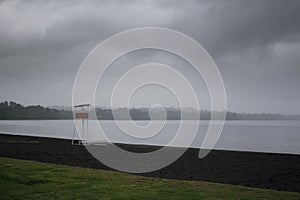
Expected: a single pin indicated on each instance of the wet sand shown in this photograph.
(259, 170)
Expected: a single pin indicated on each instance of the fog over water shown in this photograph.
(258, 136)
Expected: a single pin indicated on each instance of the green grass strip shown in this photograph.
(20, 179)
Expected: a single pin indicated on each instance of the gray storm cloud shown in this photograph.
(255, 44)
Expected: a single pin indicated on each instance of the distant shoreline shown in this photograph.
(202, 120)
(15, 111)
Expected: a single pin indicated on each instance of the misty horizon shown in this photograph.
(181, 109)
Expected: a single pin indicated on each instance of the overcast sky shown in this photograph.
(255, 44)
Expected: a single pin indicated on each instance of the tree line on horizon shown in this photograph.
(15, 111)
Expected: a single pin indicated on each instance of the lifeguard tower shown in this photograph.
(81, 113)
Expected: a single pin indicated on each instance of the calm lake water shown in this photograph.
(259, 136)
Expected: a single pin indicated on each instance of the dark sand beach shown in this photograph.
(259, 170)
